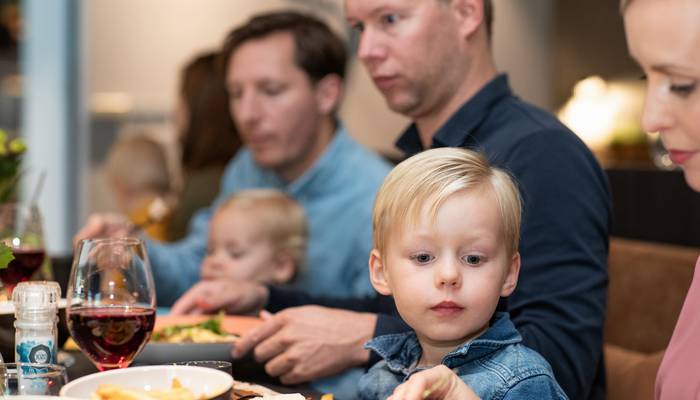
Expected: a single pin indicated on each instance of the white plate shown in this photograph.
(163, 353)
(35, 397)
(206, 382)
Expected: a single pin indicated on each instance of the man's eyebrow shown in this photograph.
(377, 9)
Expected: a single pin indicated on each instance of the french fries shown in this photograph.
(117, 392)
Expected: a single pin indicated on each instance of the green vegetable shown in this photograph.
(5, 255)
(212, 324)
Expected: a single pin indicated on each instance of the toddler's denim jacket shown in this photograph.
(495, 365)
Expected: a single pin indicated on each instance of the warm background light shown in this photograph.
(605, 113)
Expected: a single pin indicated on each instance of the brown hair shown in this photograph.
(624, 4)
(210, 137)
(318, 51)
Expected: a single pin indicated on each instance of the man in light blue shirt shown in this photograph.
(284, 73)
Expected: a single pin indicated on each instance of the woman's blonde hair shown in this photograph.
(280, 217)
(431, 177)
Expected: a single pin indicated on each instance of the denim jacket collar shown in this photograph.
(402, 351)
(456, 131)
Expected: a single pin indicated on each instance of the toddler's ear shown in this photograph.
(377, 273)
(511, 280)
(284, 269)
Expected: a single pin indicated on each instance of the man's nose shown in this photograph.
(246, 110)
(370, 47)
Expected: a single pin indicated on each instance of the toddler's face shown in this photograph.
(446, 276)
(239, 248)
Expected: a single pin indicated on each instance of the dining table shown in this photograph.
(246, 369)
(77, 364)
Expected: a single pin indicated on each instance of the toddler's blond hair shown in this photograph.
(281, 218)
(140, 164)
(428, 179)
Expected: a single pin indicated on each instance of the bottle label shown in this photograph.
(36, 350)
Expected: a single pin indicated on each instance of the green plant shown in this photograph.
(5, 255)
(11, 153)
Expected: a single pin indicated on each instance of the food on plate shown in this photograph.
(209, 331)
(117, 392)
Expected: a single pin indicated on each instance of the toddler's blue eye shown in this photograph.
(422, 258)
(472, 259)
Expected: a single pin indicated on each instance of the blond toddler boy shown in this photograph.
(445, 235)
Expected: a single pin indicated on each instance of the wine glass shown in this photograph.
(111, 300)
(20, 229)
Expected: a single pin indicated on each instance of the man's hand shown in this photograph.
(305, 343)
(437, 383)
(234, 297)
(103, 225)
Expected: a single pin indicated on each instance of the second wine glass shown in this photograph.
(111, 300)
(20, 229)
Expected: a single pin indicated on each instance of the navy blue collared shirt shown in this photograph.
(560, 302)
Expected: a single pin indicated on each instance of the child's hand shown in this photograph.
(437, 383)
(234, 297)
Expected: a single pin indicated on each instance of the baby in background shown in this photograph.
(256, 235)
(142, 183)
(445, 235)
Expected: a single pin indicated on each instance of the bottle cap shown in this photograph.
(36, 295)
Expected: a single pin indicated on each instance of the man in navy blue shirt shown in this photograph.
(432, 62)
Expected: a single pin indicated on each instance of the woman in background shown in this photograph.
(664, 38)
(207, 136)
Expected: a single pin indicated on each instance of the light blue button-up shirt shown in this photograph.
(337, 194)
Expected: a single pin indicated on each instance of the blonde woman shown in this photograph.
(664, 38)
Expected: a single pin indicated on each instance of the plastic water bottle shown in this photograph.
(36, 321)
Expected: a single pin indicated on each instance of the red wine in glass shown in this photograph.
(27, 261)
(111, 336)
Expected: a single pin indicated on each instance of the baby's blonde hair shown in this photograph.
(280, 216)
(431, 177)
